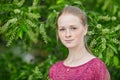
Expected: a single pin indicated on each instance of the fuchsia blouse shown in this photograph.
(94, 69)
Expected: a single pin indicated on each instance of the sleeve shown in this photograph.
(100, 71)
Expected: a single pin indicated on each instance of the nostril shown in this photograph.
(68, 35)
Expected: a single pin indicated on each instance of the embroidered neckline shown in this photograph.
(70, 67)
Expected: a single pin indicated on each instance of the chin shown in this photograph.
(69, 46)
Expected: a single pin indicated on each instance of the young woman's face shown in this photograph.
(70, 30)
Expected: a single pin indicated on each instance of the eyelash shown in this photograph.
(61, 29)
(72, 28)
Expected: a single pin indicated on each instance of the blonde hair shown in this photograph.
(76, 12)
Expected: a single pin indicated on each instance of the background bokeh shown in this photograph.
(28, 43)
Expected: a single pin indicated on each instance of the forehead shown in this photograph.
(68, 19)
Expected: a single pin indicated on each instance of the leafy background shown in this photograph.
(28, 44)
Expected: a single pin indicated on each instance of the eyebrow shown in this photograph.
(69, 26)
(60, 26)
(72, 25)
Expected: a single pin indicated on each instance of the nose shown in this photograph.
(68, 34)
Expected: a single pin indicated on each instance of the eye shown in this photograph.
(62, 29)
(73, 28)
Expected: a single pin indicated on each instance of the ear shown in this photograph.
(85, 29)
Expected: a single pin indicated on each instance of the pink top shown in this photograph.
(94, 69)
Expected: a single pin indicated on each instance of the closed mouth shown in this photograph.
(69, 40)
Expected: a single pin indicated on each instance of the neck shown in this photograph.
(77, 53)
(78, 56)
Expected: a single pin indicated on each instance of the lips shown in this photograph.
(68, 41)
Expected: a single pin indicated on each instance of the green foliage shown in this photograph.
(33, 23)
(21, 21)
(15, 68)
(104, 33)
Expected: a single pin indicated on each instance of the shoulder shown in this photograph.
(99, 69)
(97, 63)
(54, 67)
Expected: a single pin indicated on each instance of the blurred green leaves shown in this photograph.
(22, 22)
(33, 24)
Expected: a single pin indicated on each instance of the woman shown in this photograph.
(80, 64)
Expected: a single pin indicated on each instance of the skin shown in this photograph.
(71, 32)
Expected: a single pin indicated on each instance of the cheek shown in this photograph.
(79, 34)
(60, 35)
